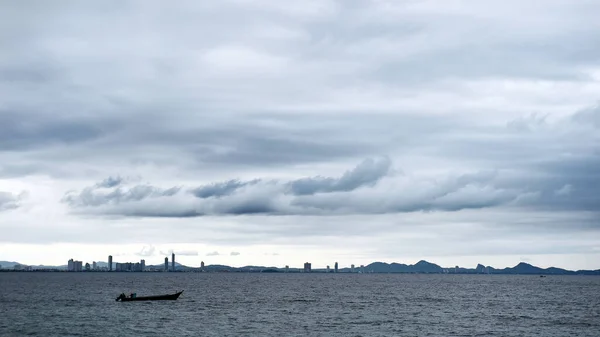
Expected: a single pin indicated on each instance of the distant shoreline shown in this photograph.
(421, 267)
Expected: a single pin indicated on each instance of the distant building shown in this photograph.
(352, 268)
(110, 263)
(74, 265)
(94, 265)
(362, 268)
(130, 266)
(335, 267)
(173, 262)
(166, 264)
(202, 265)
(87, 267)
(328, 269)
(307, 267)
(287, 268)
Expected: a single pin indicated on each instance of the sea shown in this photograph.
(311, 304)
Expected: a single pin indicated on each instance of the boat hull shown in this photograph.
(170, 297)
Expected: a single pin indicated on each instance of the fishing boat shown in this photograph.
(134, 297)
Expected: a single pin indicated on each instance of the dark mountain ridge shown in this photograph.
(421, 267)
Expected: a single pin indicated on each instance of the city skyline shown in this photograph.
(244, 132)
(421, 267)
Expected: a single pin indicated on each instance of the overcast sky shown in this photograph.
(276, 132)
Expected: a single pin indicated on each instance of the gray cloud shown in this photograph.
(215, 253)
(258, 126)
(221, 189)
(90, 196)
(234, 254)
(589, 116)
(10, 201)
(110, 182)
(366, 173)
(371, 188)
(337, 196)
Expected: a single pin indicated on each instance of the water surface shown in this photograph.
(240, 304)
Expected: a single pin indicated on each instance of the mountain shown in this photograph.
(8, 264)
(178, 266)
(421, 267)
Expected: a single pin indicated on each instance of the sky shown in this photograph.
(268, 133)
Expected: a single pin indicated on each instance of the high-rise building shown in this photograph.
(166, 264)
(94, 265)
(307, 267)
(287, 268)
(87, 267)
(70, 265)
(110, 263)
(173, 262)
(201, 264)
(143, 265)
(77, 266)
(335, 267)
(352, 268)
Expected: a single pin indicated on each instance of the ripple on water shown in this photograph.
(65, 304)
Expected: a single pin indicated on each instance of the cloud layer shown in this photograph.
(10, 201)
(243, 122)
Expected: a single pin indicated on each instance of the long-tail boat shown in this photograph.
(134, 297)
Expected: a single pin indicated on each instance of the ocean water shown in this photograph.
(239, 304)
